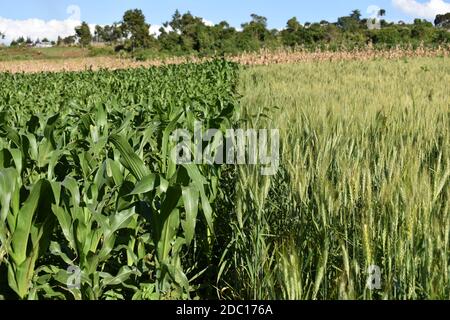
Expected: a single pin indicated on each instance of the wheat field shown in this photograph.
(364, 183)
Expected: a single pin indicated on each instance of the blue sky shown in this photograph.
(15, 15)
(234, 11)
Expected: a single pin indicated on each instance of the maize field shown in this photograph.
(89, 187)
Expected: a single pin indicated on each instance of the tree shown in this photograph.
(193, 32)
(135, 27)
(176, 23)
(113, 33)
(388, 36)
(356, 14)
(69, 40)
(99, 33)
(83, 34)
(350, 23)
(186, 33)
(290, 35)
(18, 42)
(422, 30)
(442, 20)
(225, 38)
(257, 28)
(2, 35)
(254, 34)
(293, 25)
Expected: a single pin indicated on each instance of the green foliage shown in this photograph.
(88, 179)
(390, 36)
(101, 51)
(83, 34)
(349, 24)
(136, 29)
(186, 34)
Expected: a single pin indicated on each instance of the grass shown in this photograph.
(64, 53)
(365, 181)
(23, 53)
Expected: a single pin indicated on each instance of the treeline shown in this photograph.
(28, 41)
(188, 34)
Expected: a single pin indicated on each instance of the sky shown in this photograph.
(50, 18)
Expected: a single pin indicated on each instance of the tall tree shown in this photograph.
(69, 40)
(99, 33)
(254, 34)
(257, 28)
(113, 33)
(293, 25)
(187, 33)
(350, 23)
(356, 14)
(136, 29)
(83, 34)
(290, 35)
(176, 24)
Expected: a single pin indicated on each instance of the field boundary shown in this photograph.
(263, 57)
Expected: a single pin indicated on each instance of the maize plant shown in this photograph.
(88, 181)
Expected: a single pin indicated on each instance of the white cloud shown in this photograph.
(422, 10)
(208, 22)
(37, 28)
(154, 29)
